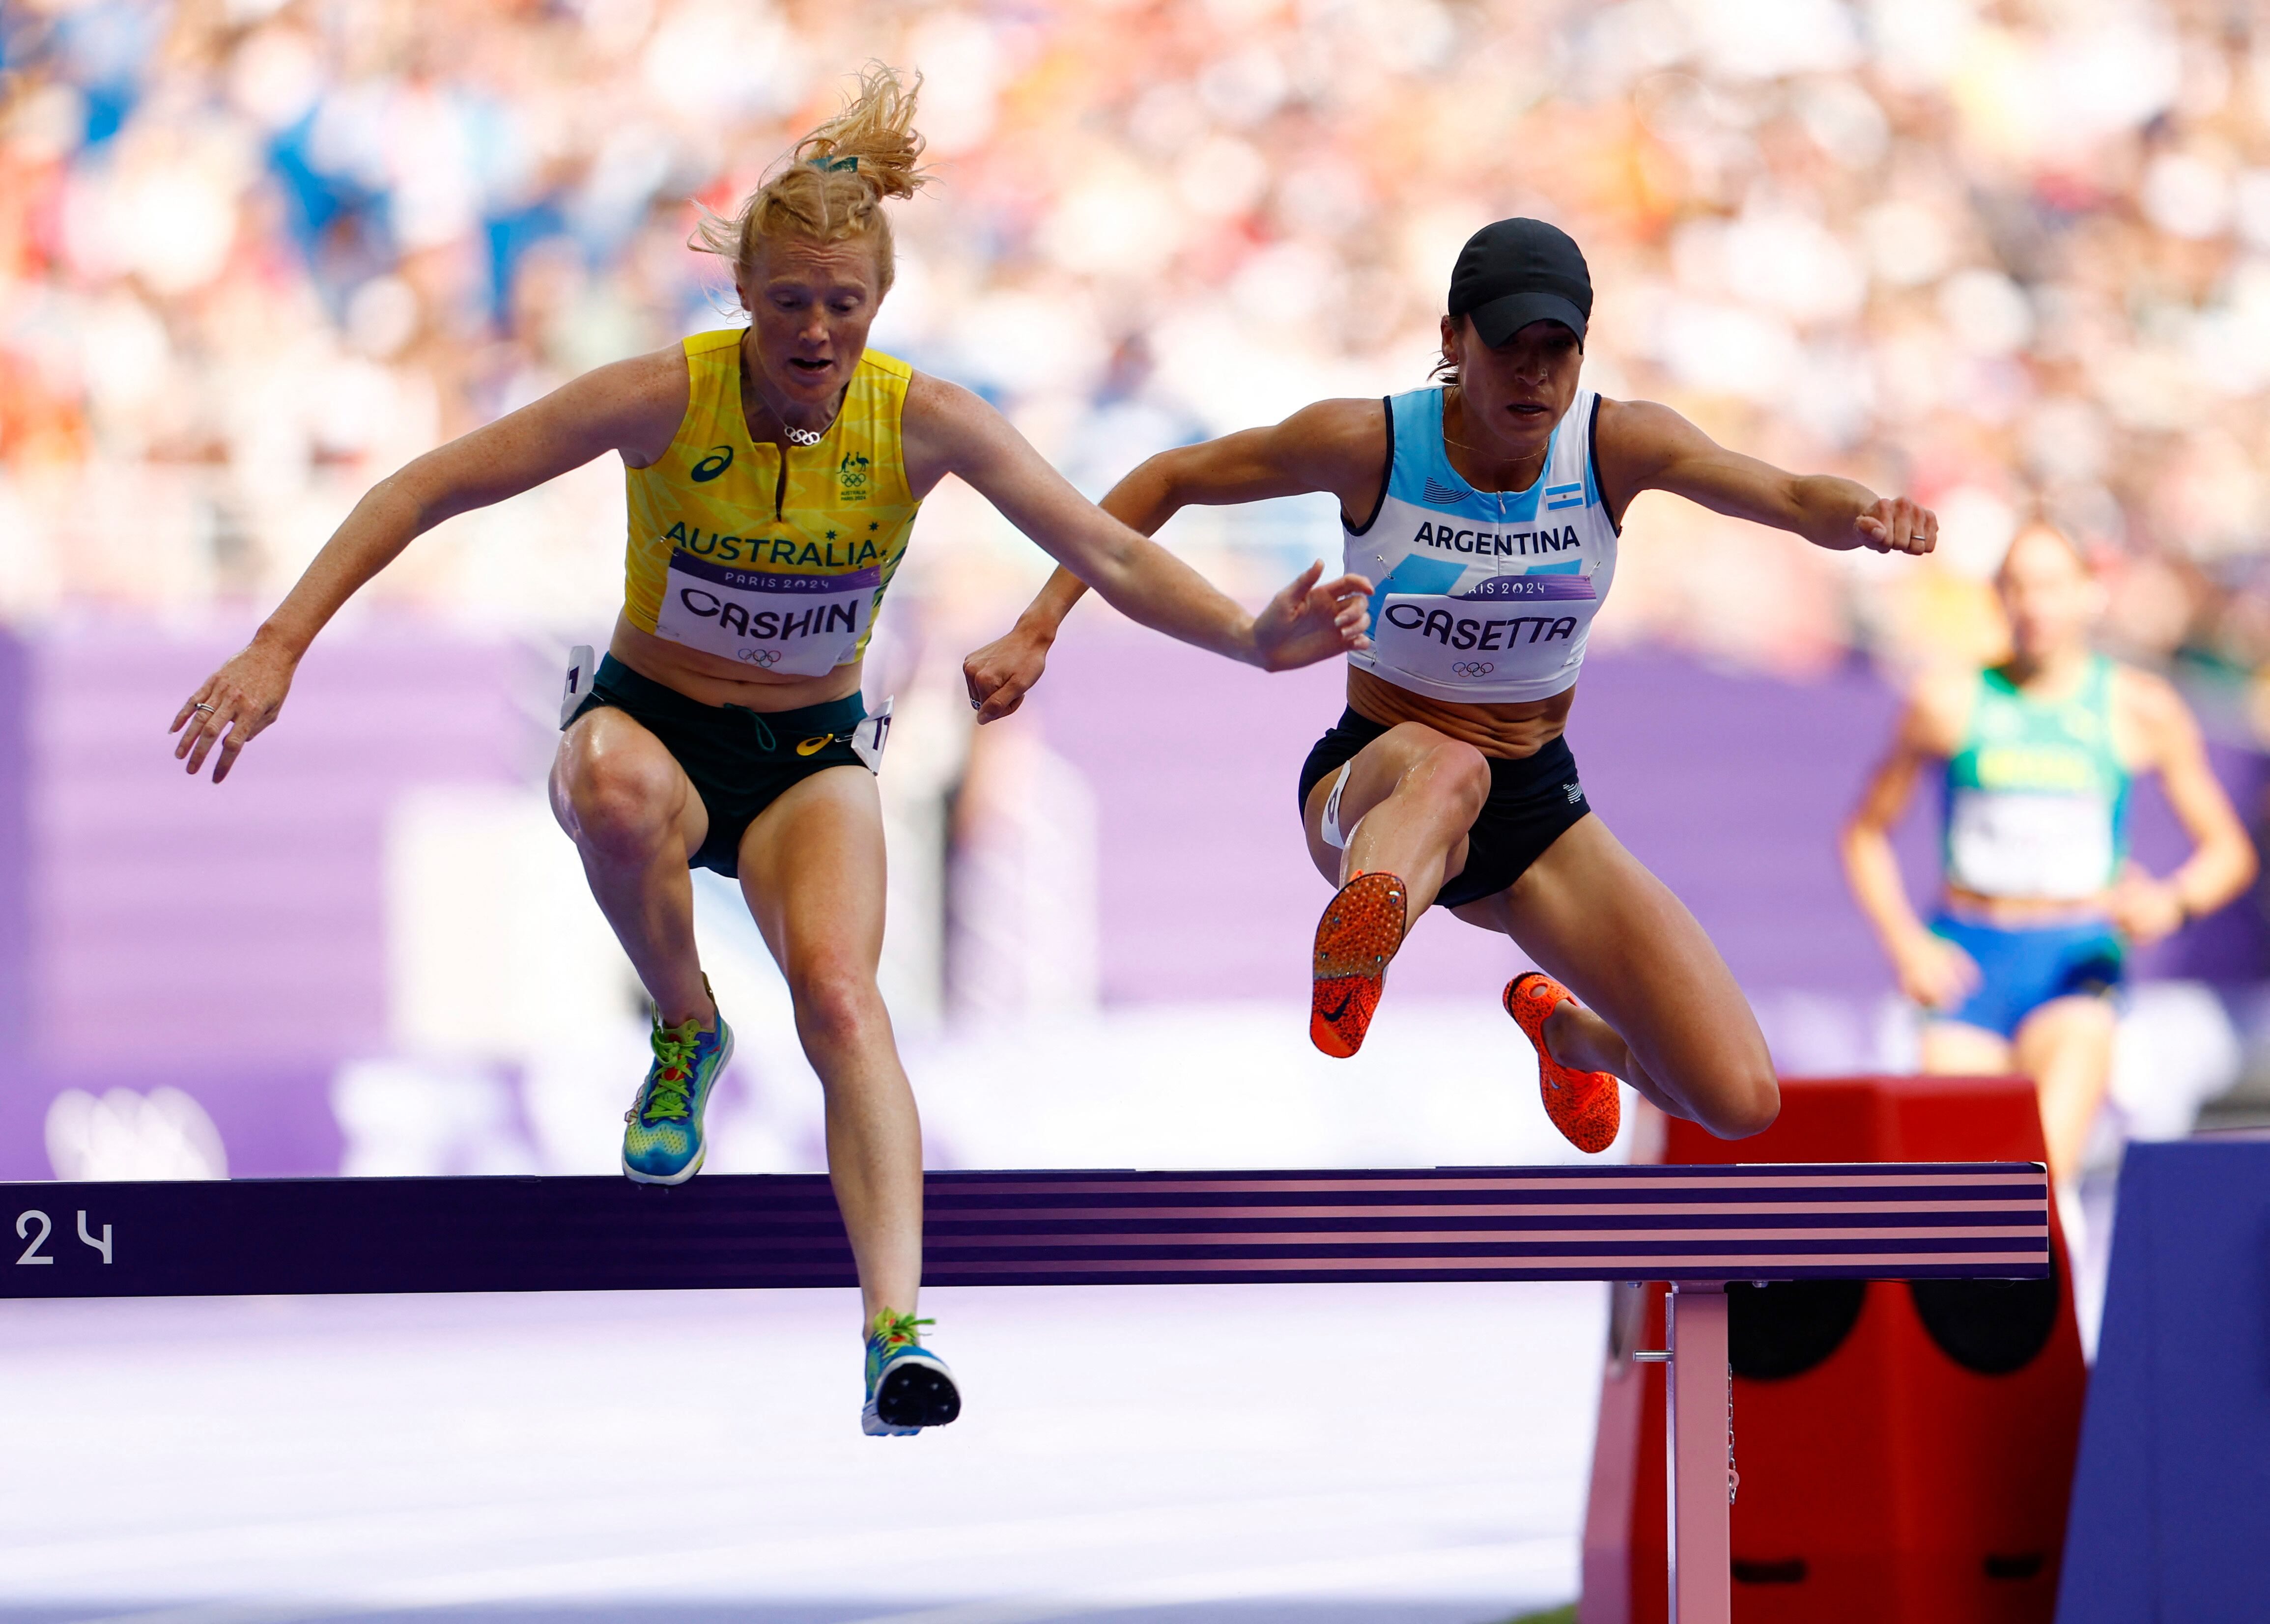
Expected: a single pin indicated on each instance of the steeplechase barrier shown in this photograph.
(1697, 1227)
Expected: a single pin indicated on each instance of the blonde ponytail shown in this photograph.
(835, 180)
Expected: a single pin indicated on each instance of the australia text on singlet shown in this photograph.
(782, 569)
(1484, 597)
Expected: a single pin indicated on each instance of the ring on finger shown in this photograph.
(209, 709)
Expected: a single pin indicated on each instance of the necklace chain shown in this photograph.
(796, 436)
(1477, 452)
(1542, 457)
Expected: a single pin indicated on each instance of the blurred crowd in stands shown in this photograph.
(2013, 257)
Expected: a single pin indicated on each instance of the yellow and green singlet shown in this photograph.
(777, 559)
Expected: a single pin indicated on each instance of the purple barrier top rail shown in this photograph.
(298, 1237)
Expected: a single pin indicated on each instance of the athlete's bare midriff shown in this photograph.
(1509, 731)
(714, 681)
(2025, 912)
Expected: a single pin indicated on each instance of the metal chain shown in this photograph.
(1733, 1473)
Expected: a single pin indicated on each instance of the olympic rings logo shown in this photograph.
(766, 658)
(1472, 668)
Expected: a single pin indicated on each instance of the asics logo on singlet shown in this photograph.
(720, 458)
(1573, 791)
(1441, 496)
(1472, 668)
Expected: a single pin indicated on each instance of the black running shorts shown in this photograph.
(1531, 802)
(741, 761)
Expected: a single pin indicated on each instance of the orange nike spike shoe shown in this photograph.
(1583, 1105)
(1361, 927)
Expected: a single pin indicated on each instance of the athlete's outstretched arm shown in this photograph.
(1334, 446)
(949, 430)
(2222, 863)
(1644, 446)
(631, 406)
(1932, 970)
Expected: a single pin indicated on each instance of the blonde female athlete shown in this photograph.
(773, 474)
(1487, 510)
(2019, 966)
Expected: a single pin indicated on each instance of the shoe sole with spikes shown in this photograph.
(917, 1391)
(1362, 926)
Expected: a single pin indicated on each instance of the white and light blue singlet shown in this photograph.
(1483, 597)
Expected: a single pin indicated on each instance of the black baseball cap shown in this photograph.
(1513, 273)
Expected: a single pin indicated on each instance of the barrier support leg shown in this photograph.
(1698, 1393)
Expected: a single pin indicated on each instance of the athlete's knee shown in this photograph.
(837, 1004)
(1744, 1100)
(1448, 771)
(623, 806)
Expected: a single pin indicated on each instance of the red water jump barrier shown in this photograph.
(1905, 1449)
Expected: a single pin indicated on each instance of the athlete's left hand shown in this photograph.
(1307, 622)
(999, 675)
(234, 705)
(1895, 524)
(2144, 909)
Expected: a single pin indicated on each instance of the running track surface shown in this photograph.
(1399, 1454)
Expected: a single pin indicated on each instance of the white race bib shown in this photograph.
(801, 625)
(1507, 626)
(869, 737)
(2002, 843)
(582, 665)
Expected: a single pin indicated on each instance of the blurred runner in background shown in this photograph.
(2019, 967)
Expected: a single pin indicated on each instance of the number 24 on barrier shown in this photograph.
(26, 1222)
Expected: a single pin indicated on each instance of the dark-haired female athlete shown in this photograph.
(1488, 511)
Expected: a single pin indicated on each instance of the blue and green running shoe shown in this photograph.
(909, 1387)
(663, 1141)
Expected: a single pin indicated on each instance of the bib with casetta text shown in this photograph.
(1466, 637)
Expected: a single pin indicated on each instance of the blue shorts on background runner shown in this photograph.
(2020, 970)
